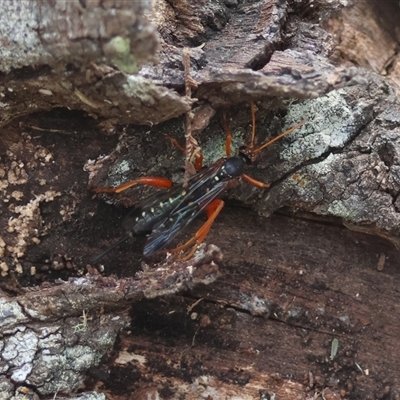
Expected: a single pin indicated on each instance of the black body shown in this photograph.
(163, 215)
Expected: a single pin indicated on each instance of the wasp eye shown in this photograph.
(246, 156)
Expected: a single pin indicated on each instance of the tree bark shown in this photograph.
(302, 307)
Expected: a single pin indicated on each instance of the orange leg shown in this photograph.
(198, 157)
(155, 181)
(255, 182)
(228, 132)
(212, 210)
(175, 143)
(198, 160)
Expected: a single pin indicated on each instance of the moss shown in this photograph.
(118, 51)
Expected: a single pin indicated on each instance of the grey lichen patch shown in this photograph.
(353, 189)
(141, 88)
(11, 315)
(6, 388)
(27, 46)
(255, 305)
(52, 374)
(50, 336)
(80, 358)
(89, 396)
(301, 185)
(344, 161)
(66, 367)
(343, 186)
(47, 357)
(19, 352)
(121, 168)
(93, 167)
(116, 172)
(119, 171)
(330, 122)
(150, 103)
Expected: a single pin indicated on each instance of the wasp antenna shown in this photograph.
(275, 139)
(113, 246)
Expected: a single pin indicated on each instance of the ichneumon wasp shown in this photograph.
(165, 214)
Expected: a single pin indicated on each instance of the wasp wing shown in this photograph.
(203, 188)
(147, 215)
(180, 218)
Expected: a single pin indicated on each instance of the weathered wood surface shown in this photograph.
(52, 335)
(287, 287)
(63, 54)
(70, 64)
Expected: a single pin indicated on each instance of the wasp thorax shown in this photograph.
(234, 166)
